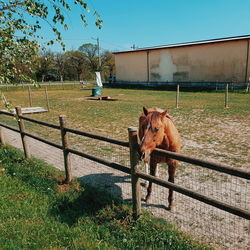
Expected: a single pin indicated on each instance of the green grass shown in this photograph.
(38, 212)
(200, 118)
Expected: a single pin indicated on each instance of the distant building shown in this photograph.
(210, 61)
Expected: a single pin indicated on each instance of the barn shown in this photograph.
(195, 63)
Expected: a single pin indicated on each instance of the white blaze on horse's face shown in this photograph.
(153, 134)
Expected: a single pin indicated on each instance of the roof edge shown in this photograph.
(216, 40)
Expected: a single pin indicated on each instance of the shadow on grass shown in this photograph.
(108, 182)
(88, 200)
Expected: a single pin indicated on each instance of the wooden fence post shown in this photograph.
(136, 187)
(65, 144)
(177, 96)
(2, 139)
(47, 98)
(226, 96)
(22, 130)
(30, 99)
(247, 88)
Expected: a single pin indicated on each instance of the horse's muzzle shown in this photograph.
(143, 156)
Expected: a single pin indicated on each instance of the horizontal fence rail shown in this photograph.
(99, 160)
(137, 174)
(226, 207)
(43, 140)
(6, 113)
(9, 127)
(50, 125)
(203, 163)
(97, 137)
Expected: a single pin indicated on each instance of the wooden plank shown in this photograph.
(30, 110)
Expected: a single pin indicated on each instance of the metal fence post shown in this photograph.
(65, 144)
(22, 130)
(136, 187)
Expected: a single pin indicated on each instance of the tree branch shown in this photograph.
(8, 7)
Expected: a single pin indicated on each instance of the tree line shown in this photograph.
(74, 65)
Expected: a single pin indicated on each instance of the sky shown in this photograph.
(146, 23)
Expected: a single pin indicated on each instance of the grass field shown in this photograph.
(38, 212)
(208, 131)
(206, 127)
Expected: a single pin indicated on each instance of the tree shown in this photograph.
(17, 29)
(16, 59)
(90, 52)
(108, 64)
(75, 64)
(45, 66)
(60, 61)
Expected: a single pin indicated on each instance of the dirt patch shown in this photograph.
(63, 187)
(101, 98)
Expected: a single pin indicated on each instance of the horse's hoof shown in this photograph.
(170, 207)
(147, 199)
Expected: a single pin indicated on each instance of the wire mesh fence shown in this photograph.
(205, 222)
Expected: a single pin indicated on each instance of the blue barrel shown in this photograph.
(96, 91)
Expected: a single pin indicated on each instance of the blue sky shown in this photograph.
(159, 22)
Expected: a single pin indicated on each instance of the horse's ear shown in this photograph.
(164, 114)
(145, 111)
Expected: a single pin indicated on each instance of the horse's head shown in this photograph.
(151, 132)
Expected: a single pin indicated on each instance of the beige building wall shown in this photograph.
(223, 61)
(131, 67)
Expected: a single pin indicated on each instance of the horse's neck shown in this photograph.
(171, 138)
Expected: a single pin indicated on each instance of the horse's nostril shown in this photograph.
(142, 155)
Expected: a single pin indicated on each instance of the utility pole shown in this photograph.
(98, 49)
(133, 47)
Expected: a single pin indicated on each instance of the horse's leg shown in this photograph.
(147, 171)
(172, 165)
(153, 165)
(156, 171)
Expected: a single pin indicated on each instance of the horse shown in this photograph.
(157, 130)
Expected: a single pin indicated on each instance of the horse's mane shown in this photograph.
(155, 109)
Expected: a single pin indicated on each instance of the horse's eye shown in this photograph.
(156, 130)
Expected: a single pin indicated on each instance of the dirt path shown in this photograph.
(224, 230)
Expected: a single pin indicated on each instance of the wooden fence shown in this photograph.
(177, 99)
(136, 175)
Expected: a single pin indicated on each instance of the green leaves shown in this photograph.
(18, 32)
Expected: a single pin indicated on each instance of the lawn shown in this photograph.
(208, 131)
(202, 120)
(38, 212)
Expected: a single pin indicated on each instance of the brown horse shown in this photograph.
(157, 130)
